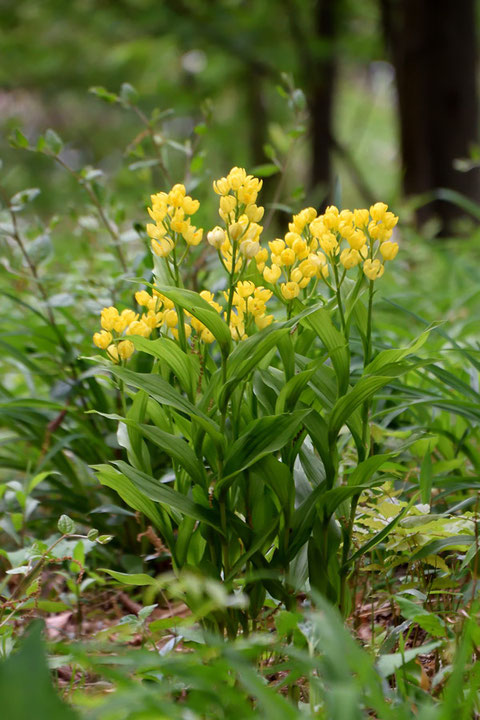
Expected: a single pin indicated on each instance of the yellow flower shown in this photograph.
(139, 327)
(176, 195)
(192, 236)
(102, 339)
(287, 256)
(236, 231)
(155, 232)
(357, 240)
(261, 258)
(389, 250)
(350, 258)
(249, 248)
(272, 274)
(300, 248)
(276, 246)
(238, 331)
(216, 237)
(245, 288)
(263, 294)
(188, 331)
(170, 318)
(125, 349)
(108, 317)
(361, 218)
(236, 177)
(143, 298)
(177, 222)
(377, 211)
(329, 244)
(207, 336)
(263, 321)
(112, 353)
(227, 204)
(222, 186)
(190, 206)
(290, 290)
(373, 269)
(254, 212)
(308, 268)
(162, 248)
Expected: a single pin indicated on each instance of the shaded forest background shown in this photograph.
(390, 90)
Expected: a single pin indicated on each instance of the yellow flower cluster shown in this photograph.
(295, 259)
(117, 324)
(248, 307)
(313, 244)
(240, 241)
(171, 214)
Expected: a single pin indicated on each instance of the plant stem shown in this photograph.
(367, 358)
(339, 300)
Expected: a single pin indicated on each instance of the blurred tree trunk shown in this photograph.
(321, 74)
(433, 48)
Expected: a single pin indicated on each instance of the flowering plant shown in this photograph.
(250, 402)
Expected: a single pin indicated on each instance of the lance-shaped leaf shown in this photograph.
(185, 367)
(165, 394)
(247, 356)
(333, 340)
(261, 437)
(394, 355)
(110, 477)
(160, 492)
(200, 309)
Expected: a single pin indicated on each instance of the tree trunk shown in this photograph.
(433, 48)
(322, 75)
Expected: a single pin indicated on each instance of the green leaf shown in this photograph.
(248, 355)
(262, 437)
(26, 686)
(53, 142)
(18, 140)
(363, 390)
(334, 342)
(437, 546)
(23, 197)
(428, 621)
(265, 170)
(292, 390)
(178, 450)
(382, 534)
(364, 470)
(388, 664)
(200, 309)
(394, 355)
(66, 525)
(318, 431)
(128, 94)
(129, 493)
(156, 490)
(136, 579)
(165, 394)
(426, 479)
(103, 94)
(185, 367)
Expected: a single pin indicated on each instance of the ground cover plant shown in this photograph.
(239, 455)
